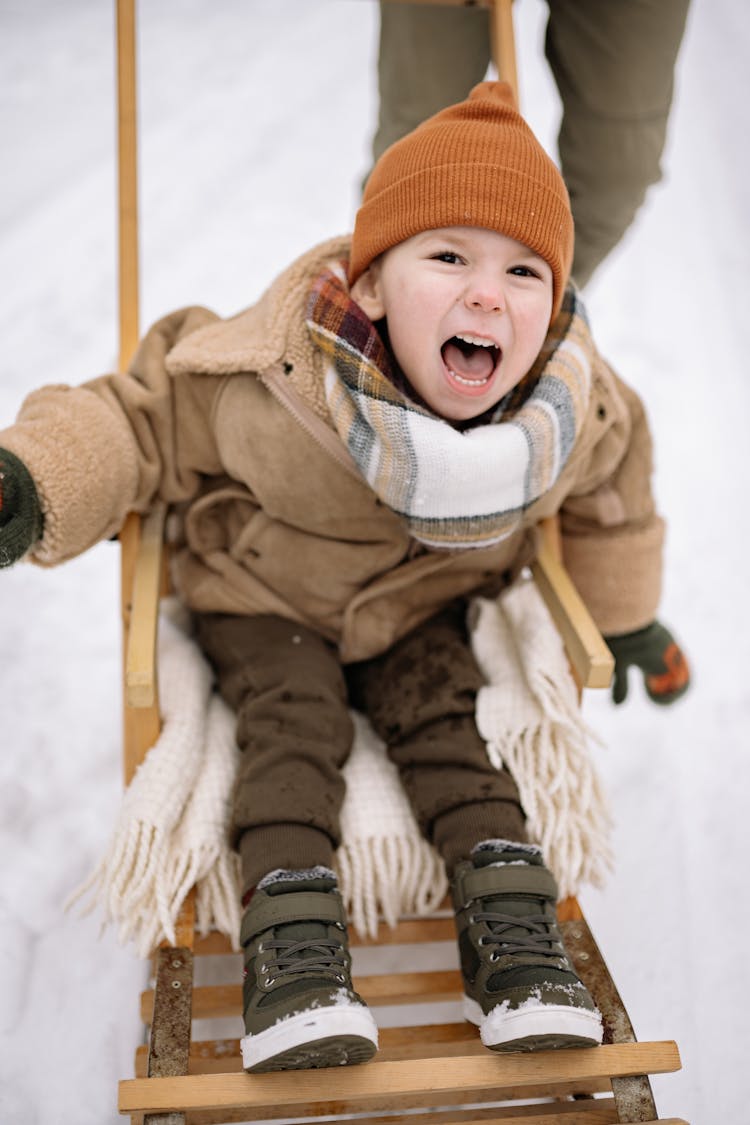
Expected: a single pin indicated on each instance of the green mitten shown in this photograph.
(21, 517)
(666, 674)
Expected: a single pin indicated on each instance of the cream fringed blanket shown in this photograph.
(172, 829)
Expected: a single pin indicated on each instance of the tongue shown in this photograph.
(470, 362)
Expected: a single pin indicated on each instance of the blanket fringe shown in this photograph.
(388, 877)
(530, 717)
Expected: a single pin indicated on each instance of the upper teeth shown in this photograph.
(480, 341)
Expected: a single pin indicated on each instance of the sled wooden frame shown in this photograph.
(433, 1074)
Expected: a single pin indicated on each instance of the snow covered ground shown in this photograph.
(256, 116)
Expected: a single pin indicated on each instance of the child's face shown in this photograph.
(467, 312)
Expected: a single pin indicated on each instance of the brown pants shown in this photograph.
(613, 64)
(292, 700)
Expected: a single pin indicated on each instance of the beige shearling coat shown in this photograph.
(226, 420)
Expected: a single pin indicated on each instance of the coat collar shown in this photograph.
(258, 337)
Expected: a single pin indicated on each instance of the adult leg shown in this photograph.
(430, 57)
(420, 697)
(295, 733)
(613, 62)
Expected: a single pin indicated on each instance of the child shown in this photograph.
(350, 460)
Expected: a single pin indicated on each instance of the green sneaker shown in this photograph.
(520, 986)
(299, 1005)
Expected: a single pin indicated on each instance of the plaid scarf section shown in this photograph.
(456, 489)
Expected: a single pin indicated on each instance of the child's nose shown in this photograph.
(485, 294)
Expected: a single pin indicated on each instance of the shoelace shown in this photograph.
(323, 956)
(539, 939)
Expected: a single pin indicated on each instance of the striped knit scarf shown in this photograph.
(454, 488)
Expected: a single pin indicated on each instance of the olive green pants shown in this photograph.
(613, 63)
(294, 728)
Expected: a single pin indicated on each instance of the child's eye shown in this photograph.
(449, 256)
(524, 271)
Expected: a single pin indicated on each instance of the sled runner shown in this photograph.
(431, 1068)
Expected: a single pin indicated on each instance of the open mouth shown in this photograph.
(470, 360)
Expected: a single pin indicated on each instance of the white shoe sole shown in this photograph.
(535, 1026)
(335, 1036)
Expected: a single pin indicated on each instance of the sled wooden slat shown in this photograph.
(140, 659)
(127, 185)
(573, 1114)
(217, 1000)
(503, 43)
(599, 1112)
(592, 661)
(406, 988)
(213, 944)
(223, 1056)
(410, 930)
(396, 1043)
(141, 725)
(407, 931)
(381, 1085)
(431, 1036)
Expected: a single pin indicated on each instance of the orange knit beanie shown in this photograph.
(474, 164)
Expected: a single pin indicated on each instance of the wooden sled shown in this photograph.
(431, 1067)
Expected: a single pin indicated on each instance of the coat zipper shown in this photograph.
(279, 386)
